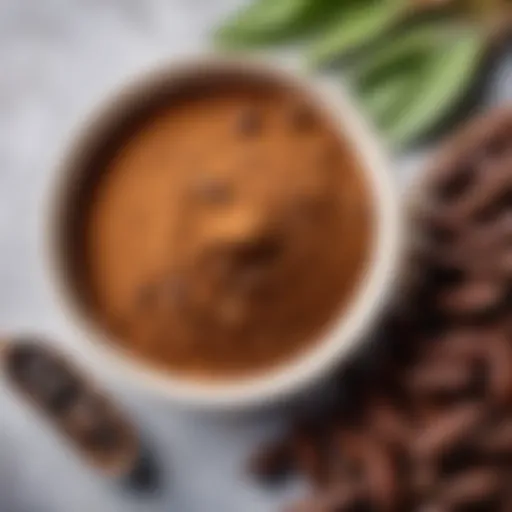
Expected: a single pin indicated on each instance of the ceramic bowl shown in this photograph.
(350, 329)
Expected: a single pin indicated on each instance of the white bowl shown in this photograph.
(348, 331)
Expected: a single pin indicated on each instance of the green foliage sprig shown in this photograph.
(410, 62)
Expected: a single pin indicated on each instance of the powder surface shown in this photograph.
(227, 233)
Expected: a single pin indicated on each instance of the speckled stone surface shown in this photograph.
(57, 59)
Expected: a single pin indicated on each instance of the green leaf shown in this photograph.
(444, 80)
(415, 78)
(382, 99)
(356, 27)
(264, 20)
(382, 79)
(401, 54)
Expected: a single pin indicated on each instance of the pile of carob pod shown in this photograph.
(428, 424)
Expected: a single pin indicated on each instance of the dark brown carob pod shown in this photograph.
(441, 380)
(309, 448)
(480, 487)
(273, 463)
(369, 465)
(447, 430)
(338, 499)
(499, 369)
(473, 297)
(388, 423)
(90, 421)
(483, 198)
(495, 443)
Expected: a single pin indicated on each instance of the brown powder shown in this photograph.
(226, 232)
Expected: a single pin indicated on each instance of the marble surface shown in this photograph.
(57, 59)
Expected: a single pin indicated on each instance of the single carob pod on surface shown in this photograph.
(72, 404)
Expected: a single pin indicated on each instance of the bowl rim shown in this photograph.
(343, 337)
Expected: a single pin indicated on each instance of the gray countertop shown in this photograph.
(57, 58)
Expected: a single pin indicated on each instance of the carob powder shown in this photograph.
(226, 231)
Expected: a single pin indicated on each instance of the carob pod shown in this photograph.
(456, 345)
(388, 423)
(273, 463)
(495, 442)
(90, 421)
(470, 174)
(479, 252)
(467, 154)
(479, 489)
(499, 369)
(473, 297)
(304, 451)
(340, 499)
(484, 197)
(446, 432)
(310, 452)
(369, 465)
(441, 380)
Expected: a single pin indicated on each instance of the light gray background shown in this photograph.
(57, 59)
